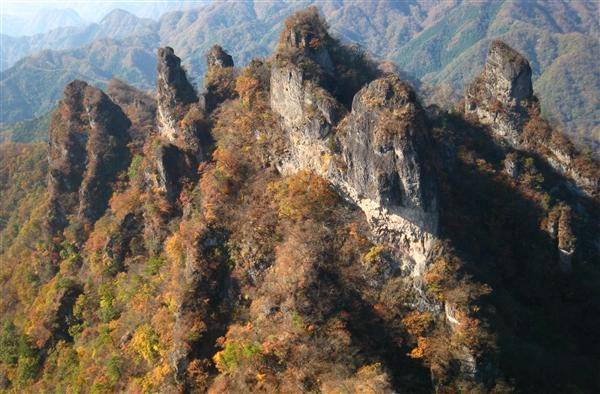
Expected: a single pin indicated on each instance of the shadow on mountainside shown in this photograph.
(545, 320)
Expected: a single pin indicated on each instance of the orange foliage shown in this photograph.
(303, 196)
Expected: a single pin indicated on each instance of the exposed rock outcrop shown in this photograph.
(88, 149)
(219, 82)
(385, 169)
(184, 125)
(218, 58)
(180, 118)
(501, 97)
(185, 133)
(499, 94)
(559, 227)
(376, 156)
(174, 91)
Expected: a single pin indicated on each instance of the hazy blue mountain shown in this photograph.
(33, 85)
(42, 21)
(117, 24)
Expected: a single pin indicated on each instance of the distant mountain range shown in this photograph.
(441, 43)
(42, 21)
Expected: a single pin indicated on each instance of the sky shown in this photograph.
(93, 11)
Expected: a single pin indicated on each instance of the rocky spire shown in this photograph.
(218, 58)
(377, 155)
(180, 117)
(383, 144)
(219, 82)
(175, 94)
(305, 34)
(501, 98)
(172, 82)
(185, 139)
(88, 149)
(499, 94)
(507, 74)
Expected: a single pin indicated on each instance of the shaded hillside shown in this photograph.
(27, 130)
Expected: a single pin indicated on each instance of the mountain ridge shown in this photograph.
(301, 223)
(550, 30)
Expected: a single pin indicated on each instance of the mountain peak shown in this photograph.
(174, 90)
(511, 70)
(389, 92)
(117, 15)
(499, 95)
(218, 58)
(88, 138)
(171, 76)
(305, 35)
(304, 30)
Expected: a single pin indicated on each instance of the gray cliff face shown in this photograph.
(179, 115)
(88, 149)
(508, 74)
(374, 155)
(498, 95)
(172, 84)
(383, 144)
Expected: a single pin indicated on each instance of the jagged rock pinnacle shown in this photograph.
(172, 83)
(176, 96)
(497, 97)
(88, 148)
(218, 58)
(509, 72)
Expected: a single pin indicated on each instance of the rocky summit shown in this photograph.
(87, 150)
(304, 223)
(499, 94)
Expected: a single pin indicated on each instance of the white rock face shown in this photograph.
(375, 156)
(175, 94)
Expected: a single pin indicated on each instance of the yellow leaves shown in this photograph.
(154, 379)
(174, 249)
(145, 343)
(123, 203)
(436, 277)
(228, 359)
(374, 254)
(247, 88)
